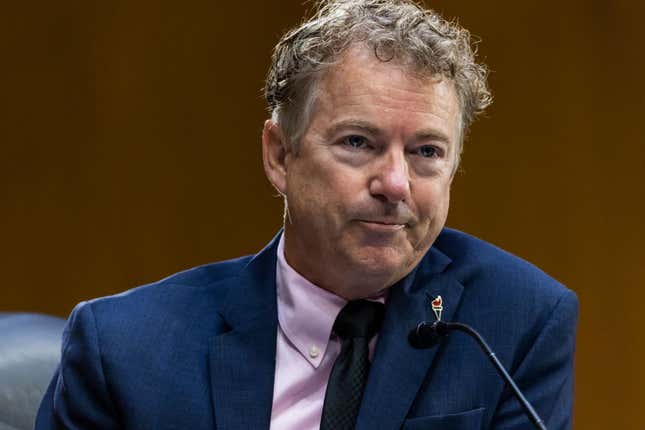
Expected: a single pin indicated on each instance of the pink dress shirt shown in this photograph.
(306, 348)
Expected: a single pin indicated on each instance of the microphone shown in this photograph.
(426, 335)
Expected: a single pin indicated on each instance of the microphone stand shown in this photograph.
(425, 335)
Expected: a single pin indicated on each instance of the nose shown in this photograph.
(391, 182)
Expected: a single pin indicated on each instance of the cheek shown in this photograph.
(433, 211)
(338, 185)
(316, 193)
(433, 203)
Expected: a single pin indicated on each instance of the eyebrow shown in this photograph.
(370, 128)
(354, 124)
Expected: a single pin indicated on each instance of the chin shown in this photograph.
(383, 265)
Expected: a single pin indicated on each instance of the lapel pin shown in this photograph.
(437, 307)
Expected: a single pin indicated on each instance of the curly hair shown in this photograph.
(396, 30)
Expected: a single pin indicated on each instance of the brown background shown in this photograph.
(130, 150)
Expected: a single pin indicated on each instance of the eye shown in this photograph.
(428, 151)
(355, 141)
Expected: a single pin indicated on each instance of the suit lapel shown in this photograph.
(399, 369)
(242, 360)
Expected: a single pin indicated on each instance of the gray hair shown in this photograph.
(396, 30)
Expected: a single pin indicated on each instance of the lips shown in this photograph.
(388, 221)
(383, 225)
(387, 215)
(385, 222)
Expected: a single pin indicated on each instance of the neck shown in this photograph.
(350, 283)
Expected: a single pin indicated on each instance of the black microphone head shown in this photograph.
(426, 335)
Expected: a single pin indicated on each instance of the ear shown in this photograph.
(274, 153)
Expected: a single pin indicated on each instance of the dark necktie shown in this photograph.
(356, 324)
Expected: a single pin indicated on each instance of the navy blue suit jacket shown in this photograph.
(197, 350)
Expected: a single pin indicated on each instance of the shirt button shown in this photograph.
(314, 351)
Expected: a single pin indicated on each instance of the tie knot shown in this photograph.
(359, 318)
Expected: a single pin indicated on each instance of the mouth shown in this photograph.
(383, 226)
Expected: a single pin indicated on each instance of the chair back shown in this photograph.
(29, 353)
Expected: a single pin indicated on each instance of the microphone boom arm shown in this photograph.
(439, 329)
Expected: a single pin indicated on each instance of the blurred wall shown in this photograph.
(130, 139)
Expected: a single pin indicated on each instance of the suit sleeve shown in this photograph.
(545, 375)
(78, 396)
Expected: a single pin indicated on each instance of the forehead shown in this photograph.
(361, 84)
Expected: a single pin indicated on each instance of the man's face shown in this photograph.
(369, 189)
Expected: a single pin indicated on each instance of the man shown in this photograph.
(370, 102)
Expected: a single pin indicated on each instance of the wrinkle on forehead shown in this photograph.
(359, 83)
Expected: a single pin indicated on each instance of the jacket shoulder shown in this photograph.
(196, 293)
(495, 278)
(211, 276)
(475, 259)
(527, 317)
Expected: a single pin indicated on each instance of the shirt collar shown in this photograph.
(306, 312)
